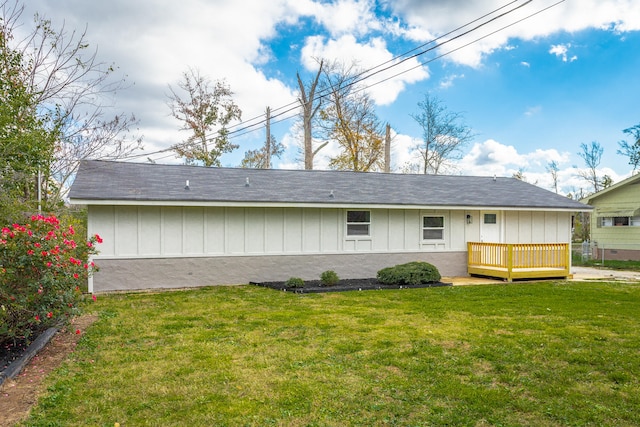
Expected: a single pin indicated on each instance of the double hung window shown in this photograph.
(433, 227)
(358, 223)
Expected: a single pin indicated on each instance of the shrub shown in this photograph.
(412, 273)
(329, 278)
(295, 282)
(43, 265)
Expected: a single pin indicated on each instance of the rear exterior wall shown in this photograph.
(148, 247)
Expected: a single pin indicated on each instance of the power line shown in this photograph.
(363, 75)
(284, 112)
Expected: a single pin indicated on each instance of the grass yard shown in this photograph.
(610, 264)
(539, 354)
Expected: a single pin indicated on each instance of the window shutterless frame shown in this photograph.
(433, 227)
(358, 223)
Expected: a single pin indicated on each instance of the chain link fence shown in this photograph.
(601, 252)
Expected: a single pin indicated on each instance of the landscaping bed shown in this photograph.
(316, 286)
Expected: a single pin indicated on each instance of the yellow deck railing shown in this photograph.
(519, 260)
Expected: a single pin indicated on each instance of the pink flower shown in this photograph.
(76, 276)
(30, 252)
(49, 315)
(37, 318)
(94, 297)
(98, 238)
(78, 332)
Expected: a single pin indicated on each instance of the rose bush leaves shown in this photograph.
(43, 266)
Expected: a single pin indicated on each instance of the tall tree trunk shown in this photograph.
(309, 110)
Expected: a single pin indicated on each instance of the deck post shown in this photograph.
(509, 263)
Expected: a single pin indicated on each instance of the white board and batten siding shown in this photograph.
(180, 231)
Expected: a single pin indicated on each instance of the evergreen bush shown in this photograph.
(329, 278)
(412, 273)
(295, 282)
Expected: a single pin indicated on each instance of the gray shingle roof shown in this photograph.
(145, 182)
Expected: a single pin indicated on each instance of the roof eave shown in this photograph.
(335, 204)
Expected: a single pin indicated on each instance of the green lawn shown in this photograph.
(609, 264)
(539, 354)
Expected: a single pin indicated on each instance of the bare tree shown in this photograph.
(206, 111)
(631, 149)
(72, 90)
(310, 106)
(443, 134)
(592, 155)
(349, 118)
(553, 169)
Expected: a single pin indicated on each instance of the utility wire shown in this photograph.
(250, 128)
(284, 111)
(359, 77)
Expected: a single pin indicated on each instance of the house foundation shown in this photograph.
(167, 273)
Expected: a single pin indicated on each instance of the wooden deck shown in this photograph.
(519, 261)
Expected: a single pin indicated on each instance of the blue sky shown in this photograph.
(532, 92)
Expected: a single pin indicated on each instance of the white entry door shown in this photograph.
(490, 227)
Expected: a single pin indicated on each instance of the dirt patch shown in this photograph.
(316, 286)
(18, 395)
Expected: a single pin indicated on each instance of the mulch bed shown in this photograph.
(315, 286)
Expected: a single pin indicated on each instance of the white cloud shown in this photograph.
(561, 51)
(403, 150)
(448, 81)
(371, 54)
(348, 17)
(491, 157)
(525, 64)
(439, 17)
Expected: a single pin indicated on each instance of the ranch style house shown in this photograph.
(175, 226)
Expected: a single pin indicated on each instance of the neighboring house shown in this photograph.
(615, 221)
(166, 226)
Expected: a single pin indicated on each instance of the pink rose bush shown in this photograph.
(43, 266)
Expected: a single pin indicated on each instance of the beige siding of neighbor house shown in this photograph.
(619, 202)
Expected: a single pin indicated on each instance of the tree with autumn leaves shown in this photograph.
(348, 117)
